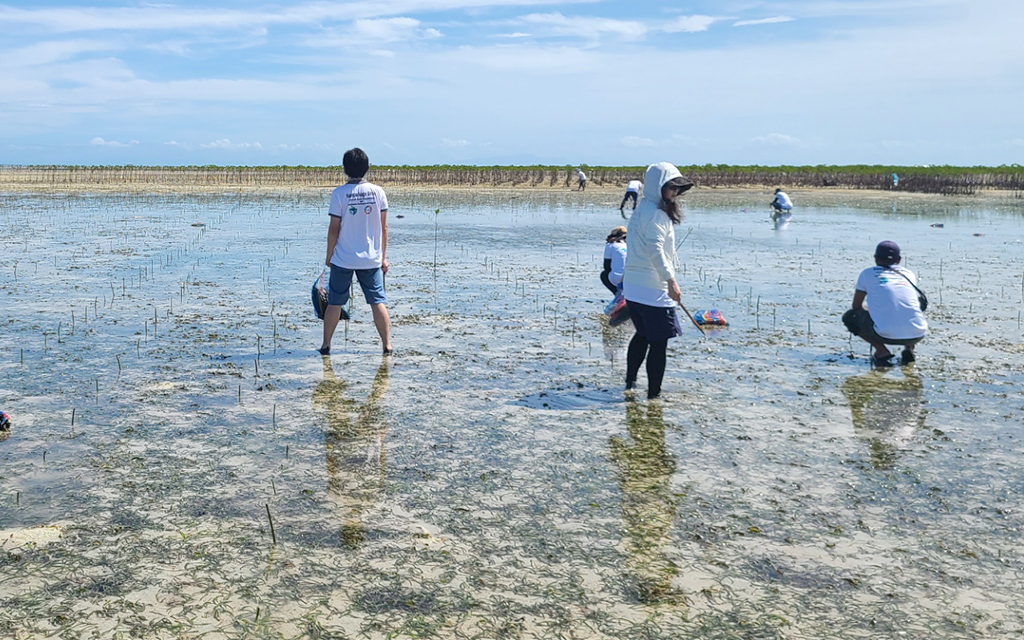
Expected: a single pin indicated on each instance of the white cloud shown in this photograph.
(517, 34)
(164, 17)
(522, 57)
(364, 33)
(778, 140)
(178, 145)
(635, 142)
(674, 141)
(224, 143)
(49, 52)
(775, 20)
(556, 24)
(100, 142)
(453, 144)
(689, 24)
(1016, 142)
(296, 147)
(391, 30)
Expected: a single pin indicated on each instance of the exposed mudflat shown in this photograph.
(490, 480)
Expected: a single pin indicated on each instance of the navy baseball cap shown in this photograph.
(888, 252)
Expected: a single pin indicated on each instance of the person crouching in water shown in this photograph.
(781, 203)
(892, 314)
(649, 282)
(614, 260)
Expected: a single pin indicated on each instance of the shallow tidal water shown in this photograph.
(490, 480)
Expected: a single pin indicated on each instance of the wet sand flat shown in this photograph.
(491, 480)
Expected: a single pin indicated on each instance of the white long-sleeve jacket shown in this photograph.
(651, 241)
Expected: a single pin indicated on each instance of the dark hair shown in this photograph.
(671, 207)
(356, 163)
(615, 236)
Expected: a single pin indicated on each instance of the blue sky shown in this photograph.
(513, 82)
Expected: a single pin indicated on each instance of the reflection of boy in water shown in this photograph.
(354, 449)
(886, 412)
(648, 503)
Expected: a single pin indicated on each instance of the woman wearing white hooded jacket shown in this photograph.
(649, 282)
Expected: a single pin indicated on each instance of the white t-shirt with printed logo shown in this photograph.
(892, 302)
(358, 205)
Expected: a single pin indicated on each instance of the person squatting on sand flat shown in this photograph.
(632, 193)
(357, 243)
(649, 282)
(614, 259)
(893, 313)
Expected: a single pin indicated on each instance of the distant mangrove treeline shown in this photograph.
(947, 180)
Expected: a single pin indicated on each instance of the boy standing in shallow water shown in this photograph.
(357, 242)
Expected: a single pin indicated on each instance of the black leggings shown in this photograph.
(630, 195)
(656, 353)
(604, 277)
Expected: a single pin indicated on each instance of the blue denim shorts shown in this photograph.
(371, 281)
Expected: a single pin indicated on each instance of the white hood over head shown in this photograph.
(656, 176)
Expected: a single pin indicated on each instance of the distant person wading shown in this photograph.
(632, 193)
(581, 179)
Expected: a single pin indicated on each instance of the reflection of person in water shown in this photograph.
(648, 503)
(886, 412)
(613, 340)
(354, 442)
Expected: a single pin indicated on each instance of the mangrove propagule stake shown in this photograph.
(273, 536)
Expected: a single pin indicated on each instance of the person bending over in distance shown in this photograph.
(582, 179)
(357, 243)
(649, 282)
(632, 193)
(781, 203)
(886, 307)
(614, 259)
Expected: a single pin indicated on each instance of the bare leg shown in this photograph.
(332, 315)
(908, 354)
(881, 351)
(383, 323)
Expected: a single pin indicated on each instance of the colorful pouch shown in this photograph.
(710, 317)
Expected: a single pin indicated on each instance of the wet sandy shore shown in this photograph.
(492, 479)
